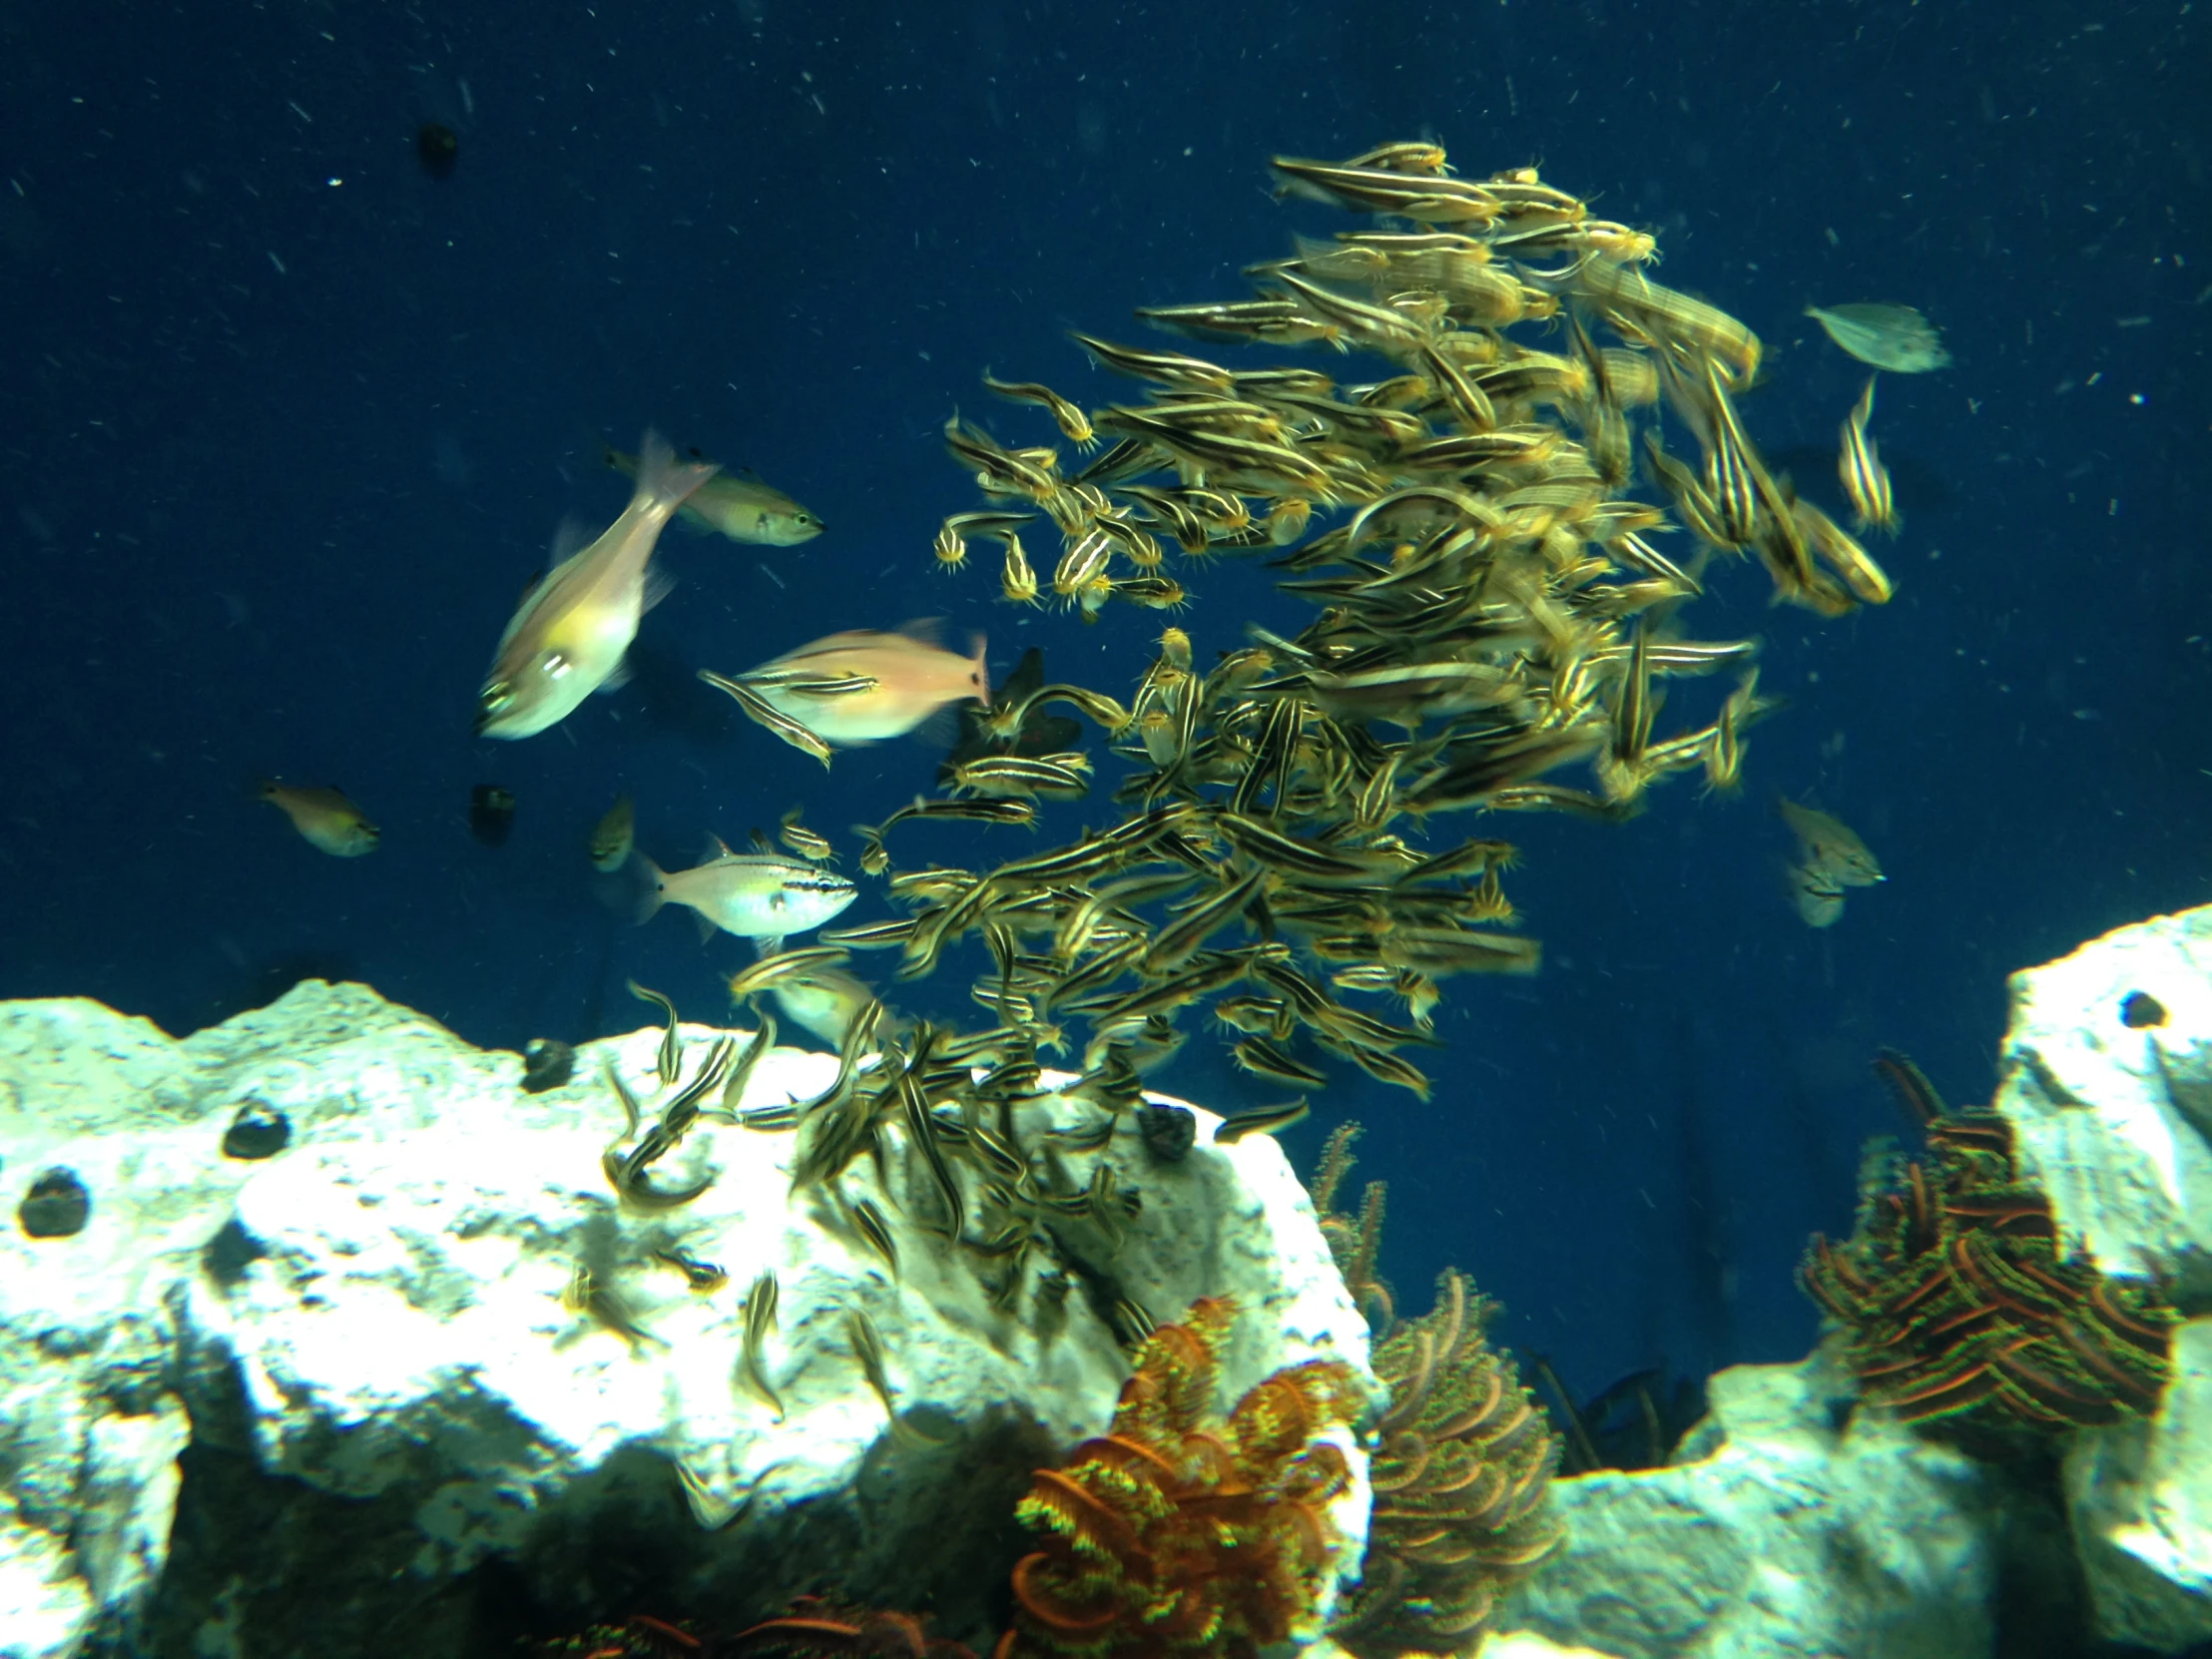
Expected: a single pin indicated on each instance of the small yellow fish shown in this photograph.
(820, 685)
(739, 506)
(1865, 479)
(569, 635)
(1831, 845)
(613, 834)
(325, 817)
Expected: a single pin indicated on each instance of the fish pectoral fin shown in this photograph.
(621, 677)
(659, 584)
(707, 927)
(767, 945)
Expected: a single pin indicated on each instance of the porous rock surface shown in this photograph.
(1787, 1526)
(363, 1340)
(2107, 1081)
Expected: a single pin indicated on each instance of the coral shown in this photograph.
(1460, 1482)
(1956, 1302)
(1354, 1244)
(1176, 1533)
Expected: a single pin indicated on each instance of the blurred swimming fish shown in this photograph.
(827, 1000)
(756, 896)
(1817, 892)
(568, 638)
(325, 818)
(1858, 465)
(859, 686)
(1831, 844)
(613, 835)
(1895, 337)
(739, 506)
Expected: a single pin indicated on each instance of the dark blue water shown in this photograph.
(285, 425)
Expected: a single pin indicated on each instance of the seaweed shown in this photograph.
(1958, 1304)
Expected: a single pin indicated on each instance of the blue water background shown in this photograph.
(285, 425)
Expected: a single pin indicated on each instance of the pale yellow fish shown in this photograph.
(739, 506)
(1831, 844)
(568, 638)
(913, 678)
(613, 834)
(325, 818)
(826, 1001)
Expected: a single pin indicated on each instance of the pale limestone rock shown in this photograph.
(377, 1311)
(2141, 1496)
(2114, 1121)
(1774, 1536)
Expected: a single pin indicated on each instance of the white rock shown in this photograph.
(2116, 1122)
(2113, 1122)
(1774, 1536)
(2141, 1500)
(1526, 1644)
(378, 1309)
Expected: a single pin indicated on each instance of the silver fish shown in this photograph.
(756, 896)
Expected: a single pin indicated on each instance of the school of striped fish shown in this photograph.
(1500, 622)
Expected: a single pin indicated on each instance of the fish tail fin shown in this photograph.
(983, 670)
(663, 480)
(647, 887)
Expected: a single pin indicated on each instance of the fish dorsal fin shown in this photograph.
(926, 630)
(569, 539)
(760, 842)
(716, 848)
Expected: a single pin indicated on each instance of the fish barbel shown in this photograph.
(568, 636)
